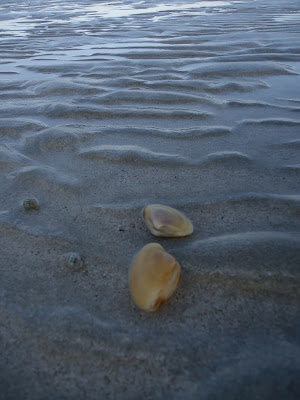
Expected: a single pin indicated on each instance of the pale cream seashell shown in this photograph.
(153, 277)
(166, 221)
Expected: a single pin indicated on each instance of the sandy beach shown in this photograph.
(107, 107)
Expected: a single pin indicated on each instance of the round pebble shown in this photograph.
(72, 260)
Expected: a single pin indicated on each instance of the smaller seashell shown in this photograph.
(166, 221)
(30, 204)
(72, 260)
(153, 277)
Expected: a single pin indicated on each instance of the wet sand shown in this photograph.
(105, 110)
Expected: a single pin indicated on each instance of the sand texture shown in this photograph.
(107, 107)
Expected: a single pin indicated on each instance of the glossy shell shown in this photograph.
(30, 204)
(153, 277)
(166, 221)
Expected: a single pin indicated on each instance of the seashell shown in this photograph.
(72, 260)
(30, 204)
(166, 221)
(153, 277)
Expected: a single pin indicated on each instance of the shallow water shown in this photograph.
(107, 107)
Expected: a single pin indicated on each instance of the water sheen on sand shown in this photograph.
(107, 107)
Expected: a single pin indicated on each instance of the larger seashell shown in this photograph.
(166, 221)
(153, 277)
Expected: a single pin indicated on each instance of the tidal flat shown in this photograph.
(107, 107)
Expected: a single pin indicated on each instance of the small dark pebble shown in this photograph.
(30, 204)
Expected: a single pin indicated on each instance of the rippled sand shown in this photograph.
(108, 107)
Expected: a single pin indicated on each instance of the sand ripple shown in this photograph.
(139, 154)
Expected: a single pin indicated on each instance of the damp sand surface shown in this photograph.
(107, 107)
